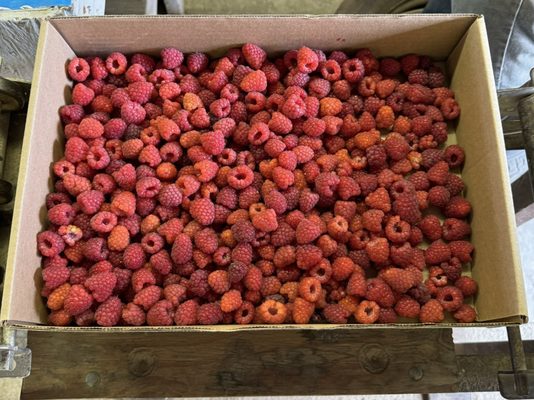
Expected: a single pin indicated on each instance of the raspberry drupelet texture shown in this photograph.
(246, 189)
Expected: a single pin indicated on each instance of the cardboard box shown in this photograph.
(458, 40)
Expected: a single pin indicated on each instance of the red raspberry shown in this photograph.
(400, 280)
(132, 112)
(103, 221)
(254, 55)
(142, 278)
(140, 92)
(272, 312)
(438, 174)
(206, 241)
(461, 249)
(380, 292)
(203, 211)
(407, 307)
(454, 156)
(294, 107)
(50, 244)
(242, 253)
(90, 128)
(219, 281)
(455, 229)
(372, 220)
(133, 315)
(419, 180)
(78, 69)
(430, 157)
(160, 314)
(307, 60)
(174, 293)
(437, 252)
(397, 231)
(430, 225)
(171, 58)
(101, 285)
(378, 250)
(379, 199)
(116, 63)
(82, 94)
(330, 70)
(450, 109)
(255, 81)
(431, 312)
(265, 221)
(240, 177)
(134, 257)
(406, 206)
(147, 297)
(182, 249)
(458, 207)
(335, 314)
(307, 231)
(109, 312)
(450, 297)
(342, 268)
(302, 311)
(186, 313)
(209, 314)
(237, 271)
(455, 185)
(59, 318)
(465, 314)
(231, 301)
(467, 285)
(353, 70)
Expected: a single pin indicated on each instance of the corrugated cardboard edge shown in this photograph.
(17, 209)
(248, 328)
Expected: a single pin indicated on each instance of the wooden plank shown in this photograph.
(75, 365)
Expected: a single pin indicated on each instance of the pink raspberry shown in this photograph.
(182, 249)
(265, 221)
(254, 81)
(171, 58)
(78, 69)
(132, 113)
(140, 92)
(90, 201)
(240, 177)
(109, 312)
(101, 285)
(209, 314)
(134, 257)
(49, 243)
(123, 204)
(160, 314)
(147, 296)
(202, 211)
(133, 315)
(197, 62)
(186, 313)
(82, 94)
(55, 276)
(307, 231)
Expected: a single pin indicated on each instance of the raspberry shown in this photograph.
(379, 199)
(307, 231)
(272, 312)
(109, 312)
(467, 285)
(454, 185)
(450, 297)
(82, 94)
(419, 180)
(254, 55)
(50, 244)
(78, 69)
(186, 313)
(431, 312)
(265, 221)
(342, 268)
(353, 70)
(133, 315)
(240, 177)
(254, 81)
(406, 206)
(134, 257)
(59, 318)
(438, 174)
(132, 112)
(56, 299)
(203, 211)
(307, 60)
(237, 271)
(335, 314)
(147, 297)
(454, 156)
(450, 109)
(407, 307)
(302, 311)
(171, 58)
(309, 289)
(372, 220)
(430, 157)
(231, 301)
(380, 292)
(437, 252)
(78, 300)
(461, 249)
(71, 114)
(430, 225)
(101, 285)
(116, 63)
(294, 107)
(400, 280)
(458, 207)
(118, 239)
(160, 314)
(140, 92)
(397, 231)
(209, 314)
(465, 314)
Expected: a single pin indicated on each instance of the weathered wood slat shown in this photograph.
(74, 365)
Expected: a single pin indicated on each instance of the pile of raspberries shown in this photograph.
(302, 189)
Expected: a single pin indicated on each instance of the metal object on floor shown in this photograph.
(15, 357)
(518, 383)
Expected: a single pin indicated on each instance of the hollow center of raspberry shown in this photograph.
(330, 70)
(321, 272)
(240, 175)
(244, 313)
(273, 310)
(398, 228)
(106, 221)
(79, 68)
(368, 310)
(150, 243)
(454, 157)
(448, 298)
(312, 289)
(115, 64)
(47, 243)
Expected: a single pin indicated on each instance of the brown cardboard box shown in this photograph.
(459, 40)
